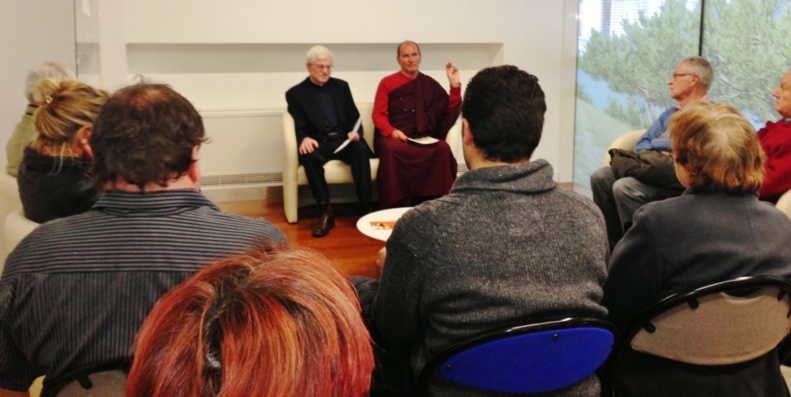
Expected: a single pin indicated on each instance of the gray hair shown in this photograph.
(702, 68)
(47, 70)
(317, 53)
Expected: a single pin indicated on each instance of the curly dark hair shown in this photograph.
(144, 134)
(505, 108)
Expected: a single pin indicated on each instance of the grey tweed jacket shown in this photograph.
(506, 246)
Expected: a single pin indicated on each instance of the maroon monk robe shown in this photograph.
(410, 172)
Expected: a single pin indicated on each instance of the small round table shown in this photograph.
(377, 225)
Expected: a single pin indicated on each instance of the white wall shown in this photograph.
(242, 55)
(31, 32)
(236, 58)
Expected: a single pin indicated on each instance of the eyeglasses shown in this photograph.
(677, 75)
(321, 67)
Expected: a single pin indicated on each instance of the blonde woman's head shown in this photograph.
(64, 109)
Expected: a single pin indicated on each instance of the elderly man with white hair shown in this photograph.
(325, 117)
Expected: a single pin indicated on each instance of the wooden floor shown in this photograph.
(351, 251)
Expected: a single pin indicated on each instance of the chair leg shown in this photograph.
(290, 201)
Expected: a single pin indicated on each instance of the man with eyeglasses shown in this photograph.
(619, 198)
(325, 117)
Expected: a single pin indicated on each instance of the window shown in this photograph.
(627, 50)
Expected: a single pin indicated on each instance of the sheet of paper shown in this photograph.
(426, 140)
(356, 130)
(357, 125)
(343, 145)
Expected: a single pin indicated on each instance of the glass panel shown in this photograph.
(627, 51)
(86, 21)
(747, 44)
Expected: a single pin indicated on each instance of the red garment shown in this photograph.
(433, 96)
(776, 141)
(408, 171)
(418, 107)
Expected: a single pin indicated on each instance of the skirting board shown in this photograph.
(274, 193)
(247, 192)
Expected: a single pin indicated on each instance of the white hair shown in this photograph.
(47, 70)
(317, 53)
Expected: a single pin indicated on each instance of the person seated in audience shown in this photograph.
(53, 178)
(74, 291)
(24, 133)
(505, 246)
(409, 104)
(716, 230)
(324, 118)
(775, 140)
(269, 323)
(619, 198)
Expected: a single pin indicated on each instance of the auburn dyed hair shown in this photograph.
(718, 148)
(274, 322)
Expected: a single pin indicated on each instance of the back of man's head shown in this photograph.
(505, 108)
(145, 134)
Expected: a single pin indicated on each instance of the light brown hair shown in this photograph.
(718, 148)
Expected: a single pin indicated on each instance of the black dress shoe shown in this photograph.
(325, 223)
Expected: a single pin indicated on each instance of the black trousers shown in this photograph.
(391, 376)
(356, 154)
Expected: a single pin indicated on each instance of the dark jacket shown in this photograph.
(651, 167)
(685, 242)
(51, 187)
(304, 108)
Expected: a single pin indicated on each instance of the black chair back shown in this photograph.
(105, 379)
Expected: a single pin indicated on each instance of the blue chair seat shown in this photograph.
(530, 358)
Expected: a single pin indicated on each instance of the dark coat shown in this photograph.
(648, 166)
(52, 188)
(681, 243)
(304, 109)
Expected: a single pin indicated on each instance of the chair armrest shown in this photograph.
(784, 203)
(454, 138)
(290, 156)
(290, 168)
(16, 228)
(625, 141)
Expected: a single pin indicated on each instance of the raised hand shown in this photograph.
(453, 75)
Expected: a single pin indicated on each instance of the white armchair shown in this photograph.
(335, 171)
(625, 141)
(15, 228)
(9, 202)
(784, 203)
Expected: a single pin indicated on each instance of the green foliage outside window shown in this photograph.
(747, 42)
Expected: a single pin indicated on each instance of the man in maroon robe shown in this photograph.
(408, 105)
